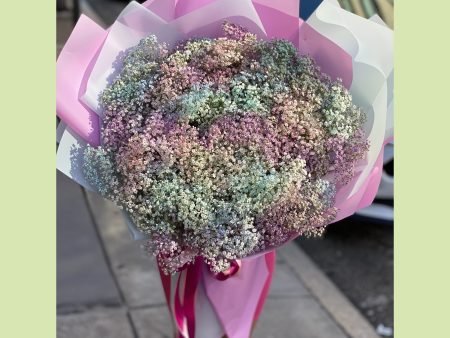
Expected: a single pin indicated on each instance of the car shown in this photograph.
(382, 208)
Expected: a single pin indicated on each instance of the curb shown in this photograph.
(325, 291)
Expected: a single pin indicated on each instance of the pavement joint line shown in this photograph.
(108, 262)
(147, 306)
(78, 309)
(133, 327)
(335, 303)
(63, 309)
(66, 309)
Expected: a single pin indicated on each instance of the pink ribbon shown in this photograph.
(185, 311)
(234, 268)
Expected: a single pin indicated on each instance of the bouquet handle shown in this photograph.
(234, 298)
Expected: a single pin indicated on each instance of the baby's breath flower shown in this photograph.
(220, 147)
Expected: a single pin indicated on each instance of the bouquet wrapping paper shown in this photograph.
(345, 46)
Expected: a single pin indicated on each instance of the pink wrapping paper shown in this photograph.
(72, 72)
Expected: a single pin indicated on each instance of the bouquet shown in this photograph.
(224, 129)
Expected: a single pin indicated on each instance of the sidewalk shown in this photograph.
(108, 288)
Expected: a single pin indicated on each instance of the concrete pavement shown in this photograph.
(84, 278)
(108, 287)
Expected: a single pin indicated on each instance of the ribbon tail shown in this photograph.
(184, 297)
(190, 293)
(178, 310)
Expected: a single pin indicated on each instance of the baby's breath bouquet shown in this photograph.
(224, 148)
(224, 129)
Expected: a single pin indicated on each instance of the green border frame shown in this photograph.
(422, 122)
(28, 231)
(27, 139)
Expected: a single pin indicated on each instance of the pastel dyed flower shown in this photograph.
(224, 147)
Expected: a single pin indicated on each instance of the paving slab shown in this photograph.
(98, 323)
(285, 283)
(296, 317)
(83, 278)
(152, 322)
(136, 272)
(326, 293)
